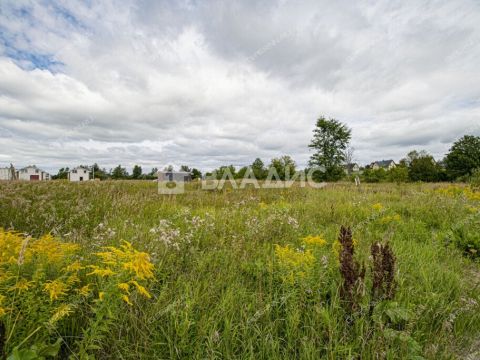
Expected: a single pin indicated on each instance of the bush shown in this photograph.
(47, 287)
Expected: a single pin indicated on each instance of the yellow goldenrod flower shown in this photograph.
(72, 279)
(60, 312)
(100, 272)
(3, 311)
(377, 207)
(127, 258)
(472, 209)
(141, 289)
(101, 296)
(55, 289)
(74, 267)
(124, 287)
(314, 240)
(127, 299)
(263, 206)
(390, 218)
(140, 264)
(85, 290)
(292, 257)
(22, 285)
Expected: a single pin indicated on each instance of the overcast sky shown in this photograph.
(206, 83)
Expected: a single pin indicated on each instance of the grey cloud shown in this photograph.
(211, 83)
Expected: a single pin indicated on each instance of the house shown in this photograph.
(8, 173)
(79, 173)
(32, 173)
(351, 168)
(384, 164)
(175, 176)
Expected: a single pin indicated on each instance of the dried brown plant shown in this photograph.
(383, 274)
(352, 273)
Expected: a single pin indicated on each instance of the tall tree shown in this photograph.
(464, 157)
(62, 174)
(119, 173)
(423, 168)
(258, 168)
(196, 174)
(222, 170)
(185, 168)
(98, 173)
(330, 141)
(285, 166)
(137, 172)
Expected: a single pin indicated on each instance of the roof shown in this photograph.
(384, 163)
(79, 167)
(174, 172)
(32, 167)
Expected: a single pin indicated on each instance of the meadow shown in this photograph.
(113, 270)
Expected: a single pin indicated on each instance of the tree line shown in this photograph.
(332, 153)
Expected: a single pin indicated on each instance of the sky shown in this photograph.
(210, 83)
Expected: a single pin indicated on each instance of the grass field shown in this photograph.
(248, 274)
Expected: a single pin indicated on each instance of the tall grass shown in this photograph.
(221, 289)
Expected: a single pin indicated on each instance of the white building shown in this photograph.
(32, 173)
(384, 164)
(79, 174)
(7, 173)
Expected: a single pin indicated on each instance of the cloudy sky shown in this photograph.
(206, 83)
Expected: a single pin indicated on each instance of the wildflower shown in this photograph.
(22, 285)
(85, 290)
(126, 258)
(74, 267)
(55, 289)
(127, 299)
(292, 222)
(124, 287)
(293, 258)
(294, 263)
(52, 249)
(262, 206)
(377, 207)
(141, 289)
(3, 310)
(314, 240)
(72, 279)
(390, 218)
(61, 312)
(140, 264)
(101, 296)
(100, 272)
(472, 209)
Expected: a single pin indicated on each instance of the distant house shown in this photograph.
(352, 168)
(32, 173)
(8, 173)
(79, 173)
(174, 176)
(384, 164)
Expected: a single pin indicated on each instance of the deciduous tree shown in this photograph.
(330, 141)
